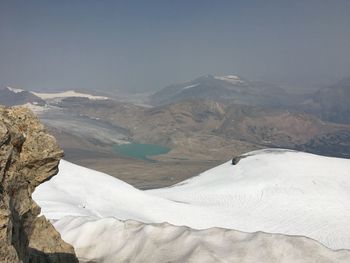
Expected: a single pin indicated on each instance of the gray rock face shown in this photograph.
(28, 157)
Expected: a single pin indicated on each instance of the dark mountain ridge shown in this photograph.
(12, 97)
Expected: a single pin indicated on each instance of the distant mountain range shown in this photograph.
(204, 121)
(11, 96)
(331, 103)
(197, 129)
(230, 88)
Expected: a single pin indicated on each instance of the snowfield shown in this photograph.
(15, 90)
(67, 94)
(272, 190)
(230, 78)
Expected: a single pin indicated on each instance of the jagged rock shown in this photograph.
(236, 159)
(28, 157)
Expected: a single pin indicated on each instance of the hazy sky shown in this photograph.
(144, 45)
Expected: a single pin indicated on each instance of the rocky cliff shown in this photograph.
(28, 157)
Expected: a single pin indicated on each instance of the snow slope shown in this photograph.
(15, 90)
(110, 240)
(275, 191)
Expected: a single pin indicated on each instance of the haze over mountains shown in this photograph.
(203, 122)
(231, 89)
(331, 103)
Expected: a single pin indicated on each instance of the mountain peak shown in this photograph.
(14, 90)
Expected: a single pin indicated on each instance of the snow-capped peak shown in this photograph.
(14, 90)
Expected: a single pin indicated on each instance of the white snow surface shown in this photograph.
(190, 86)
(230, 78)
(109, 240)
(14, 90)
(272, 190)
(67, 94)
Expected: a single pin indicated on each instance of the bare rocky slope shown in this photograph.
(224, 88)
(330, 103)
(29, 156)
(200, 133)
(204, 129)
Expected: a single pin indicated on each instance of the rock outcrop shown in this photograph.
(28, 157)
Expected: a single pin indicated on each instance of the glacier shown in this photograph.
(273, 193)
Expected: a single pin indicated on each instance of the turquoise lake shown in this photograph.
(140, 151)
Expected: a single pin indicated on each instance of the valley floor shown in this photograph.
(144, 174)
